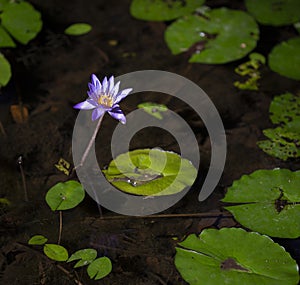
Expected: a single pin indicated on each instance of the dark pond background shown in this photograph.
(51, 75)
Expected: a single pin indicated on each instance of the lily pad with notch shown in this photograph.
(274, 12)
(284, 58)
(267, 201)
(65, 195)
(85, 257)
(213, 37)
(234, 256)
(99, 268)
(163, 10)
(153, 109)
(150, 172)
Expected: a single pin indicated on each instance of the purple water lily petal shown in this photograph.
(122, 95)
(115, 90)
(97, 113)
(117, 113)
(110, 84)
(104, 85)
(96, 82)
(85, 105)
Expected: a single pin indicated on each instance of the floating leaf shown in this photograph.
(268, 201)
(5, 201)
(151, 172)
(274, 12)
(37, 240)
(154, 109)
(19, 113)
(284, 58)
(2, 4)
(65, 195)
(21, 20)
(284, 141)
(56, 252)
(161, 10)
(234, 256)
(86, 256)
(5, 40)
(5, 71)
(213, 38)
(99, 268)
(78, 29)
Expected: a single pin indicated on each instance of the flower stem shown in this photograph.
(60, 227)
(85, 154)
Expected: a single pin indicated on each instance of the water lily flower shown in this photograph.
(104, 98)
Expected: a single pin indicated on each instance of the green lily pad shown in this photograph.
(234, 256)
(99, 268)
(22, 21)
(65, 195)
(274, 12)
(37, 240)
(150, 172)
(5, 40)
(78, 29)
(213, 38)
(268, 201)
(56, 252)
(5, 71)
(86, 256)
(283, 141)
(161, 10)
(2, 4)
(154, 109)
(284, 58)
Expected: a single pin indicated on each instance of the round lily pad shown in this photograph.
(267, 201)
(234, 256)
(99, 268)
(21, 20)
(5, 71)
(65, 195)
(162, 10)
(5, 40)
(150, 172)
(274, 12)
(285, 58)
(78, 29)
(85, 256)
(213, 38)
(154, 109)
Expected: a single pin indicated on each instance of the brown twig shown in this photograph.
(60, 227)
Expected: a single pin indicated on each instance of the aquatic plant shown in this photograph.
(284, 140)
(19, 21)
(234, 256)
(78, 29)
(153, 109)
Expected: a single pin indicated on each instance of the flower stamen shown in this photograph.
(106, 101)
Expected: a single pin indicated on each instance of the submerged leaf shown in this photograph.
(161, 10)
(274, 12)
(267, 201)
(284, 58)
(153, 109)
(150, 172)
(234, 256)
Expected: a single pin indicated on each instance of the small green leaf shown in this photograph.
(150, 172)
(267, 201)
(274, 12)
(22, 21)
(2, 4)
(65, 195)
(5, 71)
(234, 256)
(5, 40)
(213, 39)
(153, 109)
(37, 240)
(86, 256)
(161, 10)
(99, 268)
(78, 29)
(56, 252)
(284, 58)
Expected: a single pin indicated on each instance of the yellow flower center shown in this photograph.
(106, 101)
